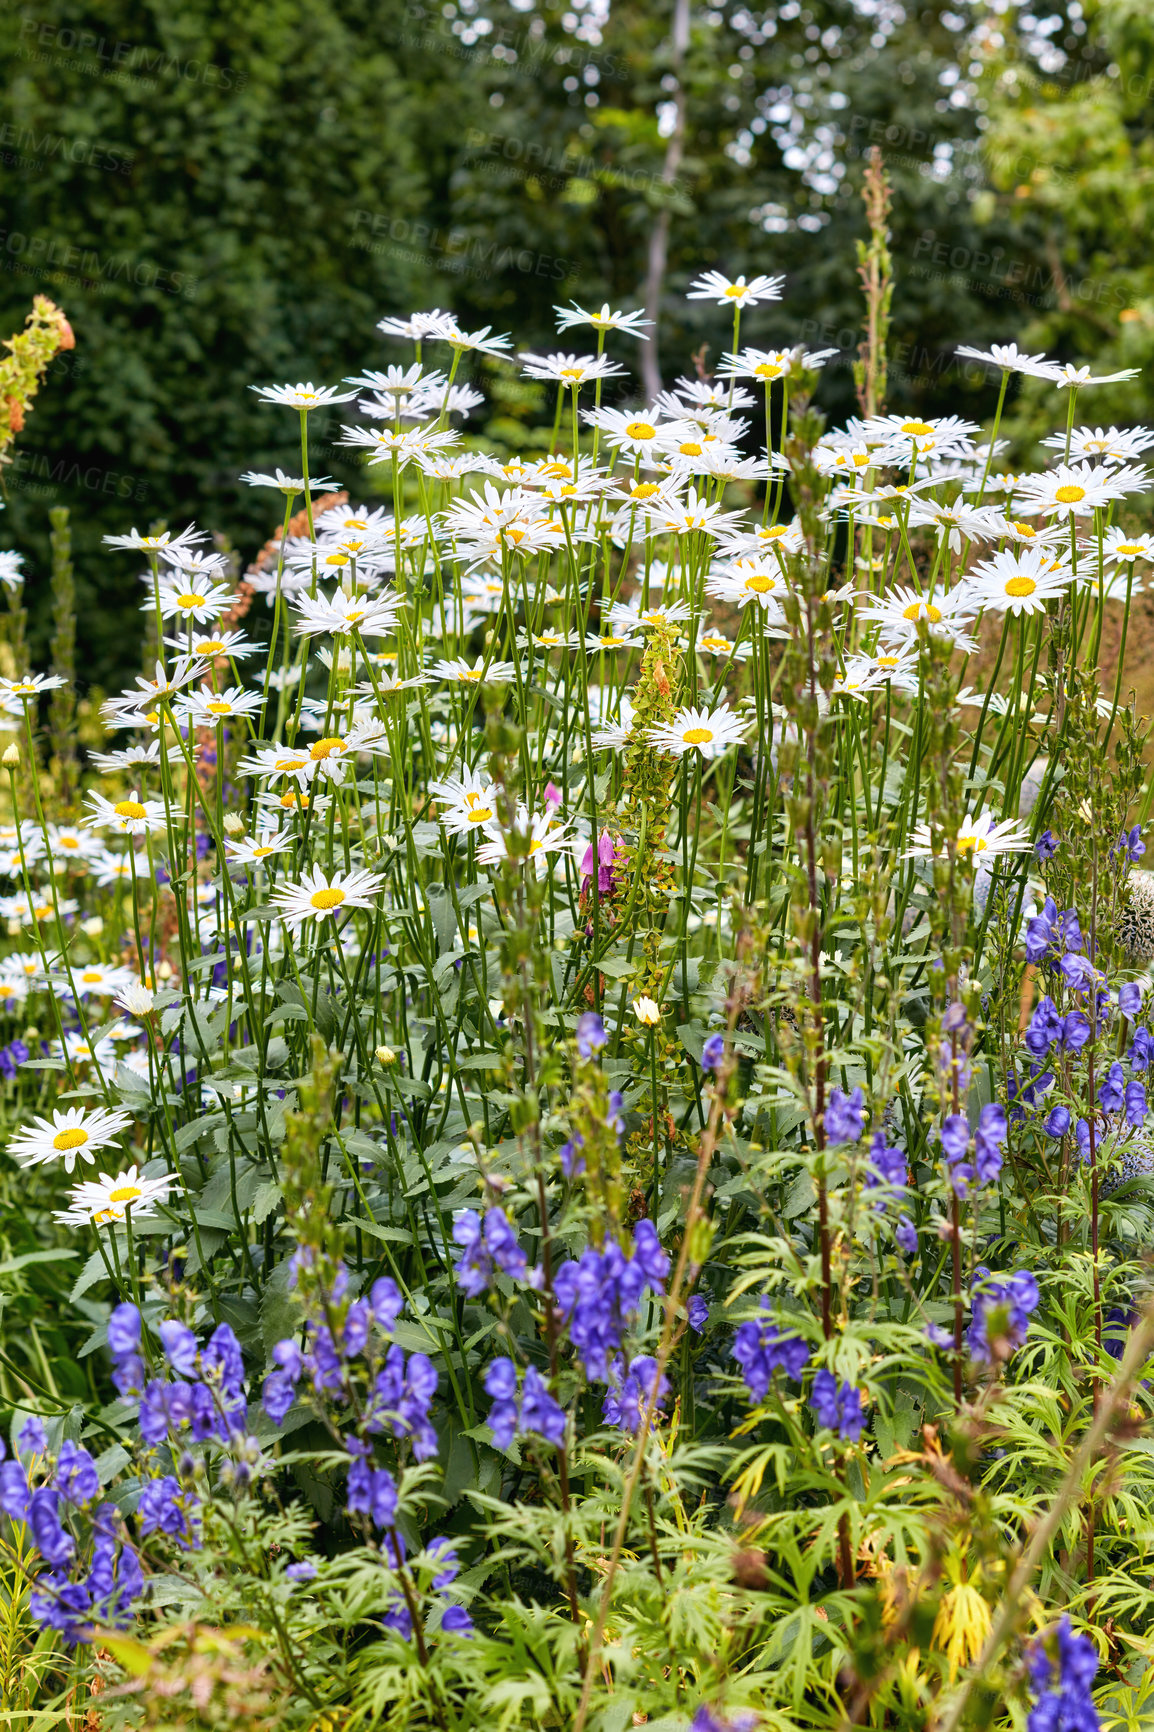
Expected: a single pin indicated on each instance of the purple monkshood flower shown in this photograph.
(165, 1508)
(1130, 1000)
(519, 1413)
(1057, 1122)
(955, 1135)
(1049, 935)
(1135, 1102)
(31, 1438)
(52, 1539)
(76, 1478)
(713, 1720)
(1062, 1669)
(844, 1117)
(697, 1312)
(761, 1348)
(988, 1140)
(600, 1292)
(1045, 847)
(1001, 1314)
(885, 1166)
(572, 1160)
(305, 1571)
(631, 1392)
(488, 1247)
(1129, 843)
(713, 1052)
(591, 1035)
(1112, 1089)
(906, 1235)
(372, 1492)
(402, 1396)
(1141, 1050)
(838, 1406)
(123, 1330)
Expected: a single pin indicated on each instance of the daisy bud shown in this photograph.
(647, 1011)
(12, 753)
(92, 928)
(233, 825)
(385, 1055)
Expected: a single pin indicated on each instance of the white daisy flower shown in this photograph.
(460, 671)
(205, 707)
(418, 326)
(77, 1131)
(342, 614)
(901, 610)
(1080, 488)
(572, 371)
(1122, 547)
(710, 732)
(100, 1202)
(1017, 580)
(1066, 376)
(136, 543)
(469, 802)
(131, 816)
(749, 579)
(1008, 357)
(1110, 445)
(716, 286)
(473, 342)
(100, 978)
(302, 396)
(976, 835)
(231, 644)
(252, 850)
(606, 320)
(320, 897)
(533, 836)
(289, 485)
(764, 365)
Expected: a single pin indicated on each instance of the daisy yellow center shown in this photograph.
(767, 370)
(128, 809)
(152, 716)
(774, 534)
(572, 372)
(759, 583)
(916, 429)
(1070, 495)
(480, 814)
(191, 599)
(690, 449)
(535, 846)
(326, 899)
(473, 674)
(103, 1216)
(917, 609)
(353, 614)
(293, 799)
(219, 708)
(734, 291)
(25, 686)
(514, 534)
(889, 661)
(557, 472)
(306, 396)
(644, 490)
(91, 976)
(259, 853)
(972, 844)
(7, 991)
(326, 748)
(1021, 585)
(289, 764)
(1131, 548)
(715, 643)
(125, 1194)
(336, 559)
(860, 459)
(641, 430)
(212, 646)
(75, 1138)
(67, 842)
(1026, 530)
(697, 736)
